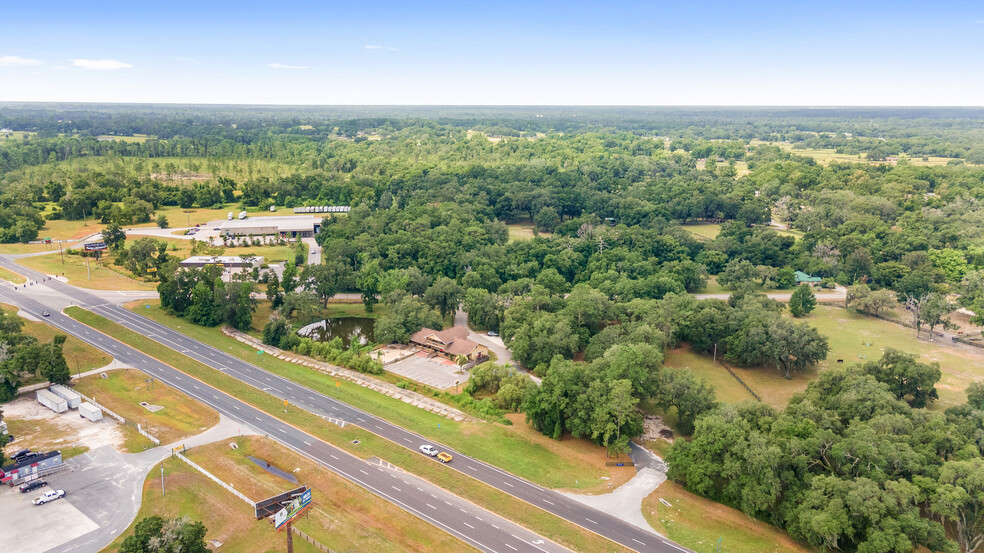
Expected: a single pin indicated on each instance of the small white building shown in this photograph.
(51, 401)
(67, 394)
(90, 411)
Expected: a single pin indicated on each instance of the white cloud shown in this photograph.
(12, 61)
(376, 47)
(100, 65)
(285, 66)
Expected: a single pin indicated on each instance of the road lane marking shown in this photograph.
(637, 541)
(511, 547)
(332, 456)
(589, 520)
(508, 484)
(397, 489)
(548, 501)
(468, 525)
(472, 468)
(364, 472)
(431, 506)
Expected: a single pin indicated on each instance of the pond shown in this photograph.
(346, 328)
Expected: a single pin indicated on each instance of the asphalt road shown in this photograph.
(323, 405)
(476, 526)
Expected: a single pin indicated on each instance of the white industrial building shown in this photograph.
(232, 261)
(288, 226)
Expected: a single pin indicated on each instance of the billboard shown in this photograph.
(292, 510)
(269, 506)
(94, 246)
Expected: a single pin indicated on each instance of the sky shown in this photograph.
(660, 52)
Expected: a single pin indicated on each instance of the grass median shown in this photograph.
(569, 464)
(534, 518)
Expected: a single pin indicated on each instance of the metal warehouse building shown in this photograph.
(291, 226)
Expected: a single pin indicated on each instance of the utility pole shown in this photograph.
(290, 537)
(89, 274)
(78, 371)
(715, 354)
(61, 252)
(162, 480)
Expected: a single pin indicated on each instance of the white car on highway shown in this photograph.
(49, 496)
(428, 450)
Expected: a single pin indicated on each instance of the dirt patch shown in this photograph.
(653, 428)
(38, 428)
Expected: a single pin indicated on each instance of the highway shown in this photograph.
(322, 405)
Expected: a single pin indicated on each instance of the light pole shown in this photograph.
(162, 480)
(78, 371)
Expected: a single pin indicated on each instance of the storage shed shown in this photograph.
(67, 394)
(90, 411)
(51, 401)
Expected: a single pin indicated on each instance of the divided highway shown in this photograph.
(323, 405)
(478, 527)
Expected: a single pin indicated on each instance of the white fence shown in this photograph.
(215, 479)
(121, 419)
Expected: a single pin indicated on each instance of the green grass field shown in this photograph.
(346, 517)
(103, 275)
(540, 521)
(826, 156)
(11, 276)
(698, 523)
(703, 231)
(849, 335)
(123, 391)
(190, 493)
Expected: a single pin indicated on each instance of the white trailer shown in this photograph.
(229, 216)
(90, 411)
(51, 401)
(67, 394)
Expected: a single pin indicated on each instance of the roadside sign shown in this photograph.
(337, 384)
(151, 269)
(285, 403)
(47, 240)
(94, 246)
(292, 510)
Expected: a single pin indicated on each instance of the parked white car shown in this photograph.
(428, 450)
(49, 496)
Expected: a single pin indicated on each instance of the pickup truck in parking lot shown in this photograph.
(49, 496)
(32, 485)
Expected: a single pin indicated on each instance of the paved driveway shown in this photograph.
(438, 372)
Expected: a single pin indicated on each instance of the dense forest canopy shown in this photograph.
(604, 287)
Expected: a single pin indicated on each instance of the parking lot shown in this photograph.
(435, 371)
(29, 526)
